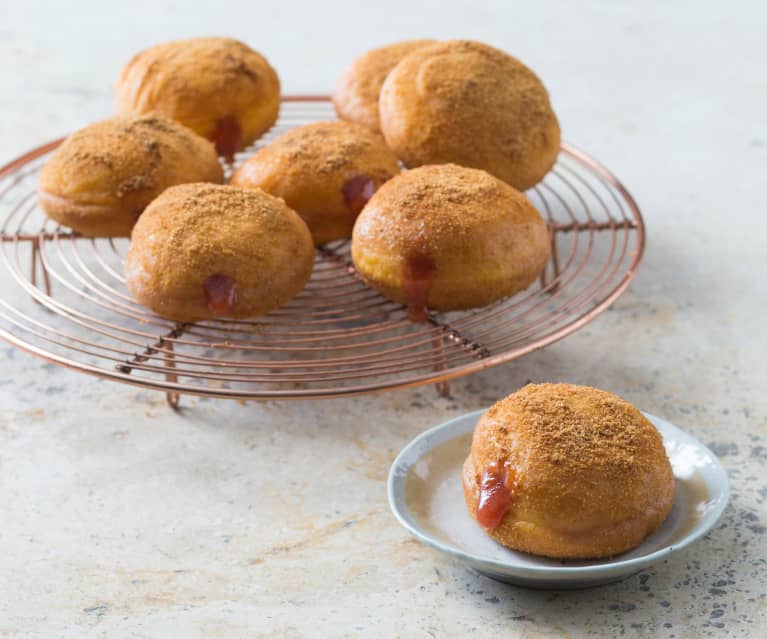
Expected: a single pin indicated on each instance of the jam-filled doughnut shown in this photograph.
(469, 103)
(205, 251)
(447, 237)
(218, 87)
(326, 172)
(103, 176)
(567, 471)
(359, 87)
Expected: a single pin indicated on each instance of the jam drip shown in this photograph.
(496, 492)
(227, 137)
(220, 294)
(357, 191)
(416, 280)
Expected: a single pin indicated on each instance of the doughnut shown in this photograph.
(103, 176)
(359, 87)
(218, 87)
(326, 172)
(469, 103)
(206, 251)
(568, 472)
(446, 237)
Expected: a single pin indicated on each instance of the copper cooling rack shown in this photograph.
(63, 298)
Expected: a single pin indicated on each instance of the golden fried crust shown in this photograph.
(469, 103)
(102, 177)
(485, 239)
(196, 231)
(593, 476)
(359, 87)
(324, 171)
(209, 84)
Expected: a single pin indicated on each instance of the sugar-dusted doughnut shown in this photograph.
(218, 87)
(204, 251)
(447, 237)
(567, 471)
(325, 171)
(103, 176)
(359, 87)
(472, 104)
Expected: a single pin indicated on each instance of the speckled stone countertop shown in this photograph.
(120, 518)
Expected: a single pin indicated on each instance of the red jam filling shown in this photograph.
(220, 294)
(357, 191)
(227, 137)
(495, 495)
(416, 281)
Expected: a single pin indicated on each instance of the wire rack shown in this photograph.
(63, 298)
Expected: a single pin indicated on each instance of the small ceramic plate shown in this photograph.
(425, 494)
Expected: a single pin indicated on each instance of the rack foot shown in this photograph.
(35, 258)
(174, 399)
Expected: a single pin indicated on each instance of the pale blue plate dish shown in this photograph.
(425, 495)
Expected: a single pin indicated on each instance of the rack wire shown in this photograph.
(63, 298)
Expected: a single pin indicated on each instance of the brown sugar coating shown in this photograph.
(587, 474)
(218, 87)
(202, 251)
(326, 171)
(103, 176)
(447, 237)
(469, 103)
(359, 87)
